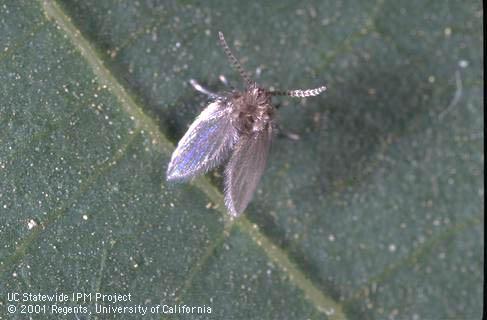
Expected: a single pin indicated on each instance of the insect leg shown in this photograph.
(281, 133)
(225, 81)
(198, 87)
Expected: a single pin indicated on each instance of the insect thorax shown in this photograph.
(252, 110)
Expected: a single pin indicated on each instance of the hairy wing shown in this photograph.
(207, 143)
(245, 168)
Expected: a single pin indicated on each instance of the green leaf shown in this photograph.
(375, 212)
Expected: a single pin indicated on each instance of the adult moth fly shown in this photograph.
(237, 126)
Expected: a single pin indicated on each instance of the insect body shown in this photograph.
(236, 126)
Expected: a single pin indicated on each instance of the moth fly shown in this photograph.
(236, 126)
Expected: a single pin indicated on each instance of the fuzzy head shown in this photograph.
(252, 110)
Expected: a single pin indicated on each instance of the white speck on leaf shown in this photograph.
(463, 63)
(31, 224)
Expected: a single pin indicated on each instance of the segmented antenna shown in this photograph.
(300, 93)
(236, 64)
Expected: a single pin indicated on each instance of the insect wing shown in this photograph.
(206, 144)
(245, 169)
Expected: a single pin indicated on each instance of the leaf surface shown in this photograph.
(375, 212)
